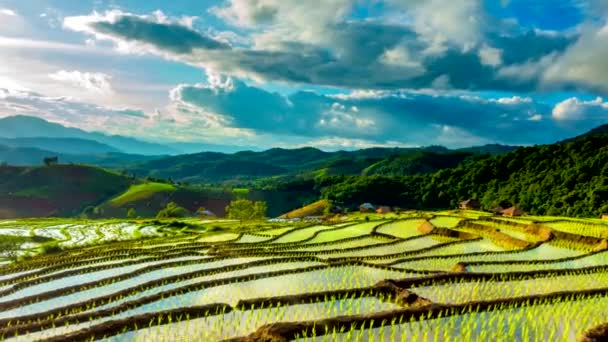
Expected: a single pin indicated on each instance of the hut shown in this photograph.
(207, 213)
(470, 204)
(513, 211)
(367, 208)
(497, 211)
(384, 210)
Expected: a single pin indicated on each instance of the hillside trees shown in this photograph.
(244, 209)
(562, 179)
(172, 210)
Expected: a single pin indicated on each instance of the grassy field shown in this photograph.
(140, 192)
(415, 276)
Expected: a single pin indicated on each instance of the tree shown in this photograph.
(48, 161)
(131, 213)
(244, 209)
(172, 210)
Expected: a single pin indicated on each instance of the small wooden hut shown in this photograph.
(470, 204)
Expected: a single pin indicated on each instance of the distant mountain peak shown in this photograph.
(24, 126)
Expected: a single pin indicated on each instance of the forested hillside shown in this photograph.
(569, 178)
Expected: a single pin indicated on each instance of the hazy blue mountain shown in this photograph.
(60, 145)
(30, 156)
(21, 126)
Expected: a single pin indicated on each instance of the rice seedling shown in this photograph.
(165, 281)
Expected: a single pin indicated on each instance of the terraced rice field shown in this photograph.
(417, 278)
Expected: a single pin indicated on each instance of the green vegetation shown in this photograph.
(180, 279)
(140, 192)
(560, 179)
(317, 208)
(245, 210)
(172, 210)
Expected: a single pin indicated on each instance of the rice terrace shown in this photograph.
(415, 276)
(304, 170)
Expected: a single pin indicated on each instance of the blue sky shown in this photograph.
(327, 73)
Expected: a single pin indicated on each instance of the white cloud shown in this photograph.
(340, 118)
(335, 143)
(514, 100)
(69, 111)
(96, 82)
(490, 56)
(400, 56)
(441, 23)
(7, 12)
(574, 109)
(584, 62)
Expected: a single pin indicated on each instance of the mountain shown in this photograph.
(61, 190)
(60, 145)
(492, 149)
(197, 147)
(30, 156)
(568, 178)
(249, 165)
(20, 126)
(600, 130)
(418, 162)
(66, 190)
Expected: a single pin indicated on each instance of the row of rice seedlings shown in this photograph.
(402, 228)
(513, 231)
(580, 228)
(250, 238)
(113, 285)
(300, 234)
(474, 246)
(94, 263)
(466, 291)
(386, 249)
(520, 220)
(237, 323)
(68, 258)
(361, 229)
(573, 219)
(84, 319)
(277, 231)
(32, 279)
(553, 320)
(542, 252)
(355, 243)
(220, 274)
(78, 311)
(445, 221)
(595, 259)
(162, 265)
(337, 278)
(223, 237)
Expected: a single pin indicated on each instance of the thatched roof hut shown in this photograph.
(470, 204)
(367, 208)
(513, 211)
(383, 210)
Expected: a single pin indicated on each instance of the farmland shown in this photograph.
(416, 276)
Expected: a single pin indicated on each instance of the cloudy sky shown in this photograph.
(326, 73)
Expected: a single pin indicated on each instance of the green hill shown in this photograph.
(60, 190)
(208, 167)
(415, 163)
(569, 178)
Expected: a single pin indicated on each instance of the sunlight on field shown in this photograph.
(150, 280)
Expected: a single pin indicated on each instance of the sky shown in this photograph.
(333, 74)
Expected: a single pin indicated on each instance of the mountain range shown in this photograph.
(566, 178)
(26, 140)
